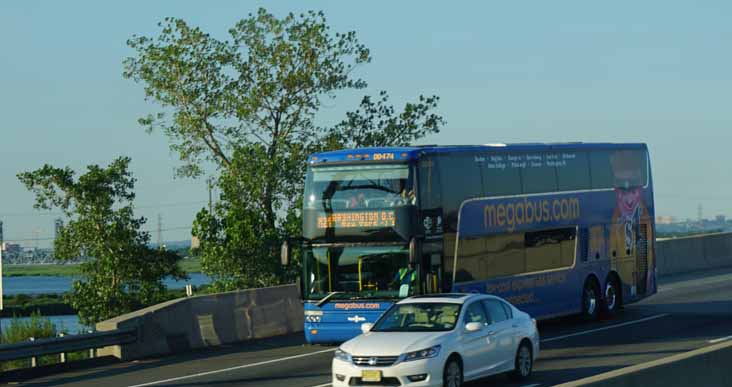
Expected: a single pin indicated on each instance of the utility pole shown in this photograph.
(700, 212)
(160, 231)
(210, 201)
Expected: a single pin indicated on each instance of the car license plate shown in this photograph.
(371, 376)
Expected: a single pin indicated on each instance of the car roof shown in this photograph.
(445, 298)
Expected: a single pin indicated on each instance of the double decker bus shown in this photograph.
(556, 229)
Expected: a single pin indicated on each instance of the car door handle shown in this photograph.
(515, 326)
(491, 333)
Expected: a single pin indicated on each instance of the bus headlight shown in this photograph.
(313, 316)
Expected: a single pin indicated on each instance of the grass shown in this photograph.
(37, 270)
(189, 265)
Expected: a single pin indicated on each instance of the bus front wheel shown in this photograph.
(590, 300)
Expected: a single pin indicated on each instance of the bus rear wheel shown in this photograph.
(611, 298)
(590, 300)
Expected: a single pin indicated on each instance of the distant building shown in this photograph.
(665, 220)
(720, 218)
(195, 242)
(11, 248)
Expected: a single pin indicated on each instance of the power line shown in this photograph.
(58, 213)
(13, 240)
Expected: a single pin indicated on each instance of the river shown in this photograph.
(43, 284)
(33, 285)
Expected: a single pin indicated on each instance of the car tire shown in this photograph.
(453, 374)
(524, 363)
(590, 300)
(611, 298)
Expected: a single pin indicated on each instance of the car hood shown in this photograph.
(392, 343)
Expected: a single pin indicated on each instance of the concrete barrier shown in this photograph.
(694, 253)
(709, 366)
(208, 320)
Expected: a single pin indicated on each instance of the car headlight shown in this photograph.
(422, 354)
(342, 355)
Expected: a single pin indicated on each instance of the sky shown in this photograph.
(657, 72)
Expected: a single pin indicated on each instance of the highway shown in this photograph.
(689, 312)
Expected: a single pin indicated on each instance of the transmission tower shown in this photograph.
(160, 231)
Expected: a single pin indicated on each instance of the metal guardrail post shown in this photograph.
(34, 360)
(62, 358)
(92, 351)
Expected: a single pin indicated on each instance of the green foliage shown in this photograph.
(248, 105)
(22, 329)
(123, 273)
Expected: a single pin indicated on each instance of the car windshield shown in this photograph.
(419, 317)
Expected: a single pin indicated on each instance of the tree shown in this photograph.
(248, 105)
(123, 274)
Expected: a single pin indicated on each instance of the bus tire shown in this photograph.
(591, 300)
(612, 296)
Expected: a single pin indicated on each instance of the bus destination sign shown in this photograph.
(360, 219)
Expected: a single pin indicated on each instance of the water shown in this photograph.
(56, 284)
(66, 323)
(52, 284)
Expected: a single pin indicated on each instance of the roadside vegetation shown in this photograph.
(38, 327)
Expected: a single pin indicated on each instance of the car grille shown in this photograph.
(383, 382)
(379, 361)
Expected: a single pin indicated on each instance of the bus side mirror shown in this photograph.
(413, 251)
(285, 254)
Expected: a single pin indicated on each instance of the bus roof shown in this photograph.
(413, 152)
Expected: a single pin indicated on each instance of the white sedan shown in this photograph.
(439, 340)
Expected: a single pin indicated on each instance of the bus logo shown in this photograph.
(356, 319)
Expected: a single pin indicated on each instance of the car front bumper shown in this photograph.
(400, 371)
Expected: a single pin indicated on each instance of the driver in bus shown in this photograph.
(357, 201)
(405, 276)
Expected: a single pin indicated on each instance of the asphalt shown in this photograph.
(687, 313)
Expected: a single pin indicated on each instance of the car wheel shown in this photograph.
(590, 301)
(453, 375)
(611, 299)
(524, 362)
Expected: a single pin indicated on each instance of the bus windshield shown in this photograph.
(356, 271)
(348, 187)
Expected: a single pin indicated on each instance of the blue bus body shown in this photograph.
(532, 223)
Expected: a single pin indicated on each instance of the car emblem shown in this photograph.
(357, 319)
(372, 361)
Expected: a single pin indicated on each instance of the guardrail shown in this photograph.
(65, 344)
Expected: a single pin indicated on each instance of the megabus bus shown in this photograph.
(556, 229)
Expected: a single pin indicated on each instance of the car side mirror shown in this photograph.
(473, 326)
(366, 327)
(285, 254)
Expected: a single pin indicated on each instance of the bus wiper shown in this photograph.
(326, 298)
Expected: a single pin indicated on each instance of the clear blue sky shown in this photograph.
(652, 71)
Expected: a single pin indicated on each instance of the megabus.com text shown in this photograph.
(529, 211)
